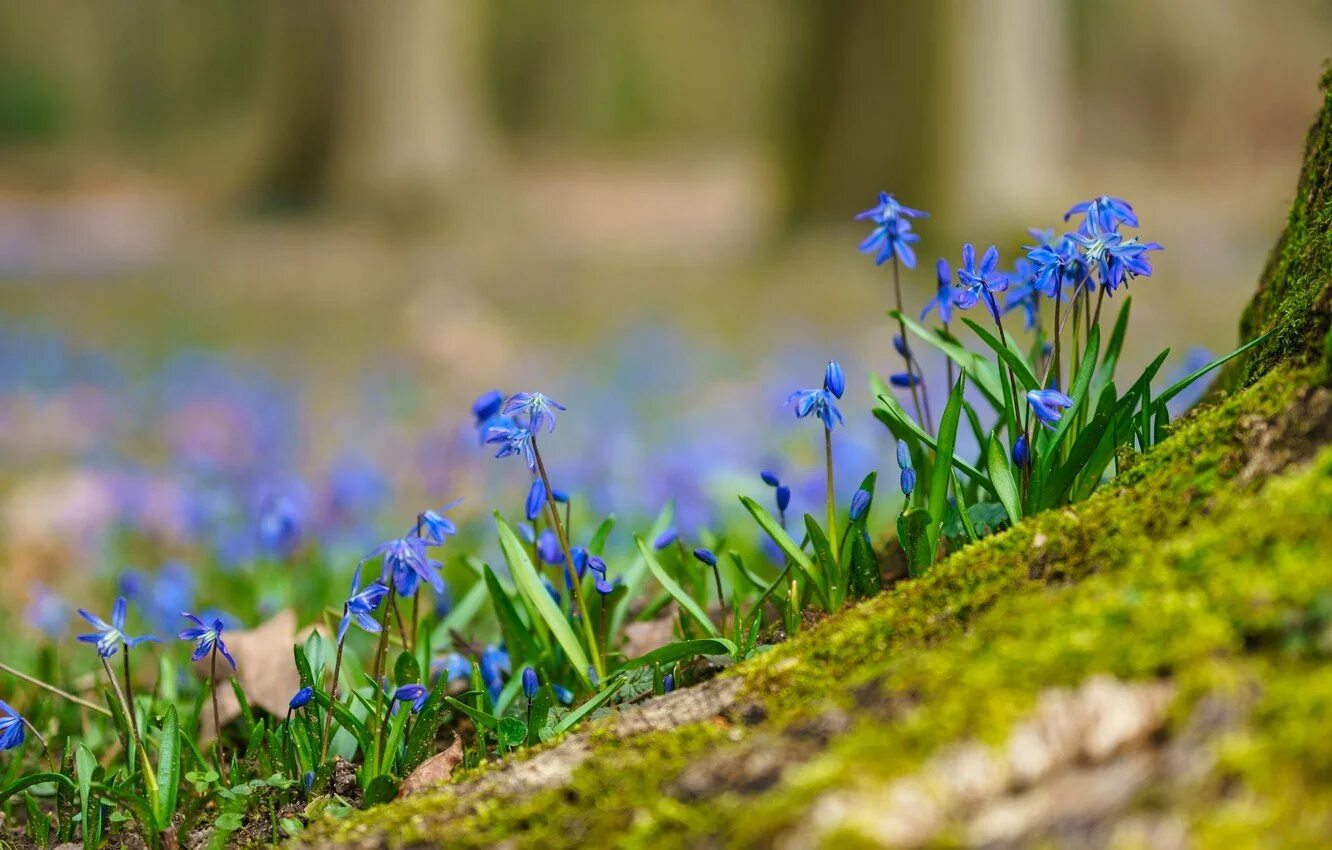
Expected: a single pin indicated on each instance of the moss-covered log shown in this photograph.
(1147, 668)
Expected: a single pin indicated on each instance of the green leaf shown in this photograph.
(941, 473)
(892, 413)
(672, 652)
(406, 670)
(1001, 475)
(598, 543)
(88, 771)
(246, 713)
(397, 728)
(346, 720)
(517, 634)
(685, 601)
(963, 512)
(37, 779)
(421, 740)
(460, 614)
(381, 790)
(789, 547)
(512, 732)
(1183, 383)
(984, 372)
(1084, 447)
(826, 560)
(866, 580)
(479, 717)
(601, 698)
(530, 586)
(1021, 368)
(913, 533)
(168, 766)
(1047, 445)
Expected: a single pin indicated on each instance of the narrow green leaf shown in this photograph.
(962, 511)
(483, 719)
(892, 413)
(168, 766)
(788, 547)
(1183, 383)
(601, 698)
(1021, 368)
(913, 534)
(517, 634)
(942, 470)
(827, 561)
(397, 728)
(530, 586)
(672, 652)
(984, 372)
(1001, 474)
(347, 721)
(685, 601)
(37, 779)
(866, 580)
(597, 545)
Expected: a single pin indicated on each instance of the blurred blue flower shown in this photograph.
(860, 503)
(514, 441)
(563, 694)
(279, 526)
(548, 547)
(494, 669)
(820, 403)
(1102, 215)
(406, 563)
(666, 538)
(206, 638)
(360, 605)
(783, 497)
(1021, 452)
(892, 235)
(452, 666)
(47, 612)
(530, 683)
(904, 380)
(770, 478)
(833, 379)
(1048, 405)
(1026, 297)
(412, 693)
(706, 556)
(981, 280)
(11, 727)
(944, 295)
(537, 407)
(536, 499)
(486, 406)
(433, 526)
(109, 635)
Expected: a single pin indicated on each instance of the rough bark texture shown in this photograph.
(1148, 668)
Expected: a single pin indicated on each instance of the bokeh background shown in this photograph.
(256, 259)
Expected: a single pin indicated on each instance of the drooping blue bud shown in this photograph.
(1021, 452)
(668, 683)
(563, 694)
(860, 503)
(900, 345)
(536, 497)
(706, 557)
(596, 565)
(770, 478)
(301, 699)
(666, 538)
(908, 481)
(487, 405)
(903, 455)
(560, 496)
(548, 547)
(833, 379)
(530, 683)
(783, 497)
(903, 380)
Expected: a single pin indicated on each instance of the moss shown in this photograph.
(1292, 294)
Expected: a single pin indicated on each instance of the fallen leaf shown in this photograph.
(643, 637)
(265, 667)
(435, 770)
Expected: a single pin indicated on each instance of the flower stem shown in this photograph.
(380, 652)
(901, 329)
(332, 699)
(832, 504)
(563, 536)
(217, 715)
(65, 695)
(136, 743)
(50, 760)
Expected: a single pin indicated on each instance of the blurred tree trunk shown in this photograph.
(373, 105)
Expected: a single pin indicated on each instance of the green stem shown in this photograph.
(927, 419)
(65, 695)
(136, 743)
(332, 699)
(828, 463)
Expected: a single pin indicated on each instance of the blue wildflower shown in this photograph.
(668, 683)
(770, 478)
(1048, 405)
(536, 499)
(1102, 214)
(563, 694)
(514, 441)
(406, 563)
(46, 611)
(536, 406)
(11, 727)
(560, 496)
(903, 455)
(307, 779)
(1022, 452)
(908, 481)
(206, 638)
(1027, 298)
(901, 347)
(666, 538)
(487, 405)
(360, 604)
(530, 683)
(412, 693)
(548, 547)
(279, 526)
(301, 698)
(944, 296)
(1115, 260)
(706, 557)
(860, 504)
(904, 380)
(892, 235)
(433, 526)
(820, 403)
(452, 666)
(908, 476)
(494, 668)
(833, 379)
(981, 280)
(783, 497)
(109, 636)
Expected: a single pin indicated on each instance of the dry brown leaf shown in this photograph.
(265, 667)
(435, 770)
(643, 637)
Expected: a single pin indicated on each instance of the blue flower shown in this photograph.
(11, 727)
(908, 481)
(860, 503)
(109, 636)
(1102, 214)
(536, 406)
(406, 563)
(514, 441)
(206, 638)
(413, 693)
(783, 497)
(536, 499)
(487, 406)
(1022, 452)
(1048, 405)
(1048, 266)
(530, 683)
(901, 347)
(833, 379)
(47, 612)
(360, 604)
(1026, 297)
(559, 496)
(770, 478)
(452, 666)
(908, 477)
(433, 526)
(1115, 260)
(706, 556)
(904, 380)
(279, 526)
(944, 296)
(980, 280)
(494, 667)
(548, 547)
(892, 234)
(820, 403)
(668, 683)
(903, 455)
(666, 538)
(563, 694)
(301, 698)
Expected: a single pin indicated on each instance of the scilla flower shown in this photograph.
(406, 563)
(414, 694)
(706, 556)
(833, 379)
(820, 403)
(11, 727)
(207, 638)
(360, 605)
(301, 699)
(536, 406)
(536, 499)
(666, 538)
(548, 547)
(513, 441)
(1048, 405)
(944, 295)
(487, 406)
(770, 478)
(783, 497)
(1103, 214)
(433, 526)
(860, 504)
(109, 636)
(530, 683)
(908, 477)
(1022, 452)
(891, 236)
(980, 280)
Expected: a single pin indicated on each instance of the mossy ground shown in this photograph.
(1181, 568)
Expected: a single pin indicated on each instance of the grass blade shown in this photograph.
(943, 461)
(1001, 474)
(685, 601)
(788, 547)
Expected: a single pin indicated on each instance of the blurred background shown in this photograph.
(257, 259)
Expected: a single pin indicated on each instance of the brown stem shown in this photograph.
(65, 695)
(332, 699)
